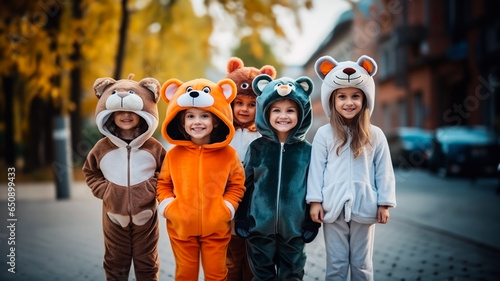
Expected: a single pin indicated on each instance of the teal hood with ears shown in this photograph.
(268, 91)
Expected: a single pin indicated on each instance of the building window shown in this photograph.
(403, 114)
(386, 109)
(387, 61)
(418, 110)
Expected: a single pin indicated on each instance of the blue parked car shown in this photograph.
(469, 151)
(408, 146)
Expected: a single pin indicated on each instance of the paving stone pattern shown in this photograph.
(62, 240)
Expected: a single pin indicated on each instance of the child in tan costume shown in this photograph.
(121, 170)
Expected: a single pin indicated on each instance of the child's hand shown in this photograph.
(383, 214)
(316, 212)
(310, 231)
(241, 229)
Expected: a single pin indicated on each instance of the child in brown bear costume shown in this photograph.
(245, 132)
(122, 170)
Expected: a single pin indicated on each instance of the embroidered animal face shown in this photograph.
(346, 74)
(199, 93)
(127, 95)
(243, 75)
(283, 86)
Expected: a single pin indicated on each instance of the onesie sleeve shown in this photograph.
(94, 176)
(165, 187)
(242, 214)
(317, 166)
(235, 187)
(385, 182)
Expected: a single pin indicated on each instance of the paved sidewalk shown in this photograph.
(432, 235)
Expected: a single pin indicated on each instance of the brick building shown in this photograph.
(438, 60)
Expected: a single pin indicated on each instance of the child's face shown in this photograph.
(244, 109)
(198, 124)
(283, 116)
(348, 102)
(127, 121)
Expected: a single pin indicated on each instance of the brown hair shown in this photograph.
(218, 133)
(358, 128)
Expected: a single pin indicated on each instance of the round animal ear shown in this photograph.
(233, 64)
(228, 89)
(169, 88)
(306, 83)
(260, 82)
(101, 84)
(368, 64)
(152, 85)
(269, 70)
(324, 65)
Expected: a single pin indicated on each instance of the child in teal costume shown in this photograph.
(273, 216)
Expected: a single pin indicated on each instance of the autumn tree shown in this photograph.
(30, 68)
(51, 52)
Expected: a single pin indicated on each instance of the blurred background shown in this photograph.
(437, 81)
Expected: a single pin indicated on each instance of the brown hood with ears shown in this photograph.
(127, 95)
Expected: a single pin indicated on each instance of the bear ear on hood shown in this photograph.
(233, 64)
(101, 84)
(306, 83)
(169, 88)
(269, 70)
(324, 65)
(228, 89)
(260, 82)
(368, 64)
(153, 86)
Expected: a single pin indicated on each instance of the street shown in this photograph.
(442, 229)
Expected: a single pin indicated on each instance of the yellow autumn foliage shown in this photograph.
(165, 39)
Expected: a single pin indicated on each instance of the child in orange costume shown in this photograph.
(202, 179)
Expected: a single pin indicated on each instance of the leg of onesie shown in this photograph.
(262, 256)
(213, 256)
(362, 237)
(292, 258)
(237, 260)
(187, 256)
(145, 250)
(117, 250)
(337, 249)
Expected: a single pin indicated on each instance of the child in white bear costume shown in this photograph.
(351, 181)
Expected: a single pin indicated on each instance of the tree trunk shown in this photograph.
(9, 149)
(76, 89)
(122, 41)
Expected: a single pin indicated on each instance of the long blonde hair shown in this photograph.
(358, 128)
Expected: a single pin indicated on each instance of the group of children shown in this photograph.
(241, 189)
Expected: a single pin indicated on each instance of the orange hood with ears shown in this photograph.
(200, 93)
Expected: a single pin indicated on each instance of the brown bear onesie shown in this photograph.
(124, 175)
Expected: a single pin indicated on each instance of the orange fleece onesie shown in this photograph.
(199, 187)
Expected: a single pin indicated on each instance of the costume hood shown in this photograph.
(243, 76)
(346, 74)
(268, 91)
(140, 98)
(200, 93)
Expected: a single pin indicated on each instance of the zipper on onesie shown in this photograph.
(129, 149)
(279, 186)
